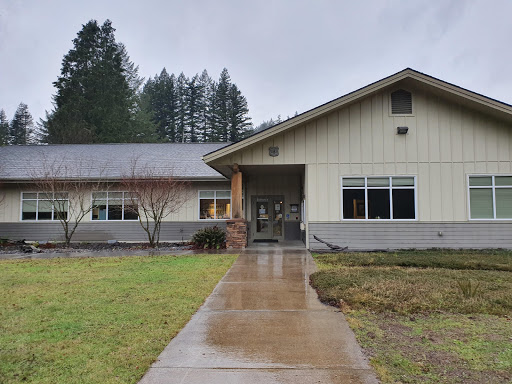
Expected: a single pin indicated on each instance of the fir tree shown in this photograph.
(181, 107)
(193, 100)
(221, 113)
(96, 99)
(21, 128)
(196, 109)
(159, 99)
(203, 118)
(239, 120)
(4, 128)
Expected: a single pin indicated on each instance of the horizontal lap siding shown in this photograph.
(411, 235)
(170, 231)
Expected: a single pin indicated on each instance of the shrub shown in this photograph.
(209, 237)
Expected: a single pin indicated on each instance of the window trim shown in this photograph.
(214, 202)
(107, 220)
(493, 187)
(390, 107)
(390, 188)
(52, 220)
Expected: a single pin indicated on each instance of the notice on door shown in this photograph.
(277, 207)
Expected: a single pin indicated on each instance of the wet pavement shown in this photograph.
(263, 323)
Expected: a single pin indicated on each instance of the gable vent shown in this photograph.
(401, 102)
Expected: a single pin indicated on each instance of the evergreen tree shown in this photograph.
(159, 99)
(239, 120)
(212, 133)
(203, 118)
(196, 109)
(21, 128)
(96, 95)
(181, 107)
(221, 113)
(193, 100)
(4, 128)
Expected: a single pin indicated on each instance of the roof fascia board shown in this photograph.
(465, 93)
(117, 180)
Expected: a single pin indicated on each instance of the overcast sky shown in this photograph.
(285, 56)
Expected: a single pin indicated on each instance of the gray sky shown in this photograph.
(285, 56)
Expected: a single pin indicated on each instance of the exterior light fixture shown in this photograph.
(402, 130)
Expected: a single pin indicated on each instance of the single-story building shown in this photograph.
(409, 161)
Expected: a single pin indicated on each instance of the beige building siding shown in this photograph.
(10, 209)
(446, 142)
(287, 186)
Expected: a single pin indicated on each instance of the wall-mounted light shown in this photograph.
(402, 130)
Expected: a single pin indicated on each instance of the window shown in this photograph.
(214, 205)
(401, 102)
(43, 206)
(490, 197)
(114, 206)
(379, 198)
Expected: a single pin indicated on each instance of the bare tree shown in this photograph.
(153, 196)
(66, 185)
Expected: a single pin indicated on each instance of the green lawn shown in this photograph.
(409, 312)
(97, 320)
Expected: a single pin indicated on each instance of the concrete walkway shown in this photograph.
(263, 323)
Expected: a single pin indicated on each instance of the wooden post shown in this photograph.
(236, 193)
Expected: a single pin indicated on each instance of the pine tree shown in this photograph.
(196, 109)
(203, 118)
(193, 101)
(221, 112)
(22, 126)
(181, 107)
(158, 99)
(239, 120)
(4, 128)
(96, 95)
(212, 133)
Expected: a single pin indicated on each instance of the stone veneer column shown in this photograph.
(236, 233)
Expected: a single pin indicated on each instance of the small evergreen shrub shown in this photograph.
(209, 238)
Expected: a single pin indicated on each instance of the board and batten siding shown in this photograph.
(446, 142)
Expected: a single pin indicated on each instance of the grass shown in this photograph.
(499, 260)
(412, 313)
(97, 320)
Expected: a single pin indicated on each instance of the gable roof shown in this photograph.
(109, 161)
(463, 95)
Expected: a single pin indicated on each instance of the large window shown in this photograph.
(44, 206)
(113, 206)
(214, 205)
(379, 198)
(490, 197)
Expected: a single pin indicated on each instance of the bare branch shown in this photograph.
(153, 195)
(67, 184)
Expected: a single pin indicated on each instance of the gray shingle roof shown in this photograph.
(108, 160)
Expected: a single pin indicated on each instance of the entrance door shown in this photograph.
(267, 217)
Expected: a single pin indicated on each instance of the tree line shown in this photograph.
(100, 98)
(19, 130)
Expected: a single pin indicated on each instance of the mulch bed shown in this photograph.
(12, 247)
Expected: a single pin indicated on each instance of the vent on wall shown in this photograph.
(401, 102)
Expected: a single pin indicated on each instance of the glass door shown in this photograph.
(262, 218)
(267, 217)
(277, 218)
